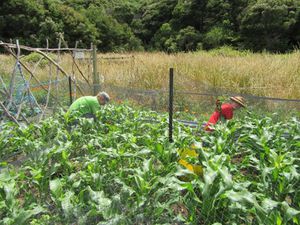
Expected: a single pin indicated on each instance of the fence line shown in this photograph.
(152, 92)
(159, 91)
(10, 45)
(115, 58)
(244, 95)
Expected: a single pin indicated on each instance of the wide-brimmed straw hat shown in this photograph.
(239, 100)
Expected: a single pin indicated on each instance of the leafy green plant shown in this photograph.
(121, 169)
(35, 57)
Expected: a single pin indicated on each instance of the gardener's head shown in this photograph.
(238, 102)
(103, 98)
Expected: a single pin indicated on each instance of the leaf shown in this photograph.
(242, 197)
(159, 148)
(290, 212)
(24, 215)
(101, 202)
(278, 220)
(227, 178)
(115, 220)
(144, 151)
(269, 204)
(64, 155)
(56, 187)
(66, 204)
(147, 165)
(10, 193)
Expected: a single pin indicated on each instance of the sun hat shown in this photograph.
(239, 100)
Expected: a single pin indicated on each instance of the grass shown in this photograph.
(217, 71)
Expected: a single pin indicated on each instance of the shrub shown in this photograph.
(35, 57)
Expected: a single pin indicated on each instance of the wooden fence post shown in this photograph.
(96, 80)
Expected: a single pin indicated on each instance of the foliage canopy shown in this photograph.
(167, 25)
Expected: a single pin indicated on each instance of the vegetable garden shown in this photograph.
(122, 169)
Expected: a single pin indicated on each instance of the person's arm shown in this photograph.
(212, 120)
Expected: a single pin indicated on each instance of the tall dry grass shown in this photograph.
(273, 75)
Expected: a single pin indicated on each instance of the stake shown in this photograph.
(96, 81)
(70, 90)
(8, 114)
(171, 87)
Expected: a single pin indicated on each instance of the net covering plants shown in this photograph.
(120, 169)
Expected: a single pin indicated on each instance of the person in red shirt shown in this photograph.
(225, 111)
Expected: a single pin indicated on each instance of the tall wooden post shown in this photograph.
(96, 80)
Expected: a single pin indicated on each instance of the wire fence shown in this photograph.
(60, 87)
(33, 99)
(199, 104)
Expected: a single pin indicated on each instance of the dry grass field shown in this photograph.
(264, 74)
(273, 75)
(258, 74)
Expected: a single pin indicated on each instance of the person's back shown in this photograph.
(83, 106)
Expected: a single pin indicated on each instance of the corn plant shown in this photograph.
(121, 169)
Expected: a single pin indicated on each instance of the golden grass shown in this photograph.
(257, 74)
(273, 75)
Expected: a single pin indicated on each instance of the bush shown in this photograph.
(35, 57)
(228, 51)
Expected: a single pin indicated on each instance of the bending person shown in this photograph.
(87, 106)
(224, 111)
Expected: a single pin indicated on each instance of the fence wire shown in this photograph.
(188, 106)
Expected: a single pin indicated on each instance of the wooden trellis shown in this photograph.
(7, 90)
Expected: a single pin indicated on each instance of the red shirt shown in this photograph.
(226, 112)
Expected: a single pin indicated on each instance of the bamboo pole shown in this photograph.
(74, 62)
(51, 60)
(47, 57)
(8, 114)
(11, 45)
(37, 80)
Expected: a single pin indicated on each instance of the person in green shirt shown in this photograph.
(87, 106)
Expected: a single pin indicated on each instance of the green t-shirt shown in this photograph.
(84, 105)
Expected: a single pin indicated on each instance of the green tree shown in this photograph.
(167, 25)
(151, 17)
(294, 31)
(124, 12)
(49, 30)
(163, 38)
(73, 24)
(20, 19)
(112, 35)
(222, 24)
(188, 39)
(267, 23)
(217, 36)
(189, 13)
(216, 20)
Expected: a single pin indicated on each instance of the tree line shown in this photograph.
(152, 25)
